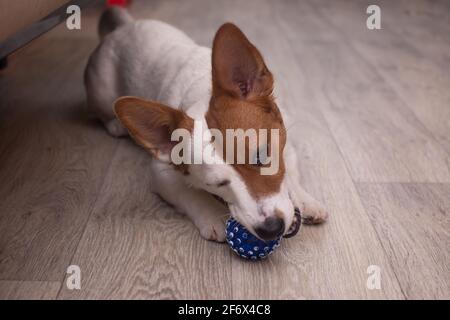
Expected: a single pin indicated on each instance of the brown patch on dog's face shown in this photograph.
(242, 99)
(228, 113)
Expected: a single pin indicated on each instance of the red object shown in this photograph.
(121, 3)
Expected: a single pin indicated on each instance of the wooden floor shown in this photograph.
(368, 110)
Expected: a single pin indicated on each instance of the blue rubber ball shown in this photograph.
(246, 244)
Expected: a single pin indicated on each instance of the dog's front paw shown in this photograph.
(313, 212)
(212, 229)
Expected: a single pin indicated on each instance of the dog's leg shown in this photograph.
(207, 214)
(312, 210)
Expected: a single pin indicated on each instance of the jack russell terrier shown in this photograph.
(186, 85)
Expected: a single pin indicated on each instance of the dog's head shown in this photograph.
(241, 99)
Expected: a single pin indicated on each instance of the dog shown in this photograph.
(147, 79)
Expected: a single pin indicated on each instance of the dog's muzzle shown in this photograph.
(293, 229)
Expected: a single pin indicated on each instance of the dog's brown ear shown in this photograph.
(151, 124)
(238, 68)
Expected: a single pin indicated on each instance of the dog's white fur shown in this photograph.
(158, 62)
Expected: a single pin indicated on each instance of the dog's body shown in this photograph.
(157, 62)
(152, 60)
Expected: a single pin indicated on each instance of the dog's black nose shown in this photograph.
(270, 229)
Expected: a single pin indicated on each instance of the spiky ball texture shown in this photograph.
(245, 244)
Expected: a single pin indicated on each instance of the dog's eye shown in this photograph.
(258, 161)
(224, 183)
(260, 158)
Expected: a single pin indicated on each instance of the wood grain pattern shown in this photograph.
(413, 223)
(53, 160)
(28, 11)
(136, 246)
(366, 111)
(424, 20)
(413, 69)
(28, 290)
(379, 137)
